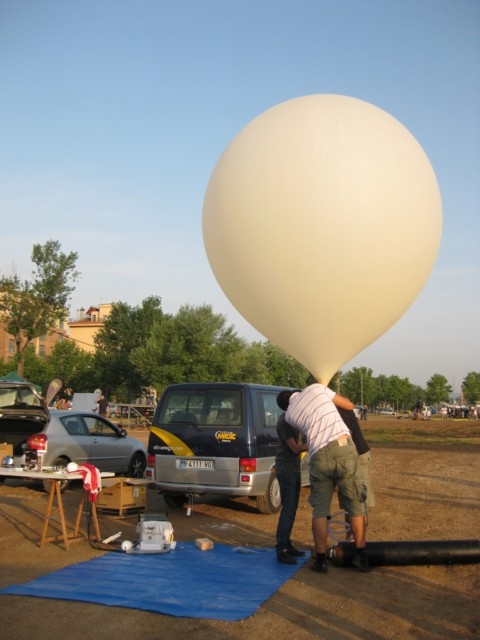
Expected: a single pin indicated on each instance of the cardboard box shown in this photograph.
(122, 496)
(204, 544)
(5, 450)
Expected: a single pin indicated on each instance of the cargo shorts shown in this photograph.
(336, 466)
(365, 468)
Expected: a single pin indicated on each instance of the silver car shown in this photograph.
(41, 438)
(387, 412)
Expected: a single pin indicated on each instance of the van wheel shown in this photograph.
(175, 500)
(270, 502)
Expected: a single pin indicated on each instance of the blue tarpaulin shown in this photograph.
(225, 583)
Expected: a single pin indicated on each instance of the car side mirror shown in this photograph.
(123, 433)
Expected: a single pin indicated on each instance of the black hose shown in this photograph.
(422, 552)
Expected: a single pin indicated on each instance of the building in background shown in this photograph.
(84, 328)
(43, 345)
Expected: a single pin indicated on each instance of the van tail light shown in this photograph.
(37, 442)
(151, 460)
(248, 465)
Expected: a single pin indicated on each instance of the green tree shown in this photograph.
(416, 393)
(359, 386)
(73, 366)
(195, 344)
(84, 378)
(126, 329)
(398, 391)
(381, 391)
(36, 369)
(31, 309)
(6, 367)
(471, 388)
(336, 382)
(249, 364)
(283, 370)
(437, 390)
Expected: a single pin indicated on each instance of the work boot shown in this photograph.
(319, 563)
(296, 553)
(360, 561)
(284, 557)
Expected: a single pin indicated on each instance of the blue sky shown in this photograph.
(113, 115)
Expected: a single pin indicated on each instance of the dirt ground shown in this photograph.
(423, 492)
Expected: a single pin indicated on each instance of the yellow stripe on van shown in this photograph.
(178, 447)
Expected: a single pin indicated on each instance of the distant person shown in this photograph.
(287, 467)
(103, 408)
(417, 415)
(364, 411)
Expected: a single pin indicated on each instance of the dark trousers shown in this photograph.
(290, 493)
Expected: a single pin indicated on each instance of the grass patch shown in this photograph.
(429, 432)
(408, 437)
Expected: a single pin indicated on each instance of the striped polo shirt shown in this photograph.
(313, 413)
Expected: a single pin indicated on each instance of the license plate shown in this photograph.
(192, 463)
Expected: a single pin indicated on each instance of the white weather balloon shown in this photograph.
(322, 221)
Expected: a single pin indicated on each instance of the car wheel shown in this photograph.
(175, 500)
(137, 466)
(61, 464)
(270, 502)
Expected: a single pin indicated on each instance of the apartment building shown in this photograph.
(83, 328)
(43, 345)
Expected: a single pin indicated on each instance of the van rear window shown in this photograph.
(202, 407)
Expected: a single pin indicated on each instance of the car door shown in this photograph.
(78, 446)
(107, 451)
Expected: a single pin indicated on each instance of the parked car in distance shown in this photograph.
(41, 438)
(135, 411)
(114, 410)
(387, 412)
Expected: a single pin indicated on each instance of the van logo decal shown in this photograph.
(225, 436)
(177, 446)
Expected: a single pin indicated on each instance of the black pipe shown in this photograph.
(409, 552)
